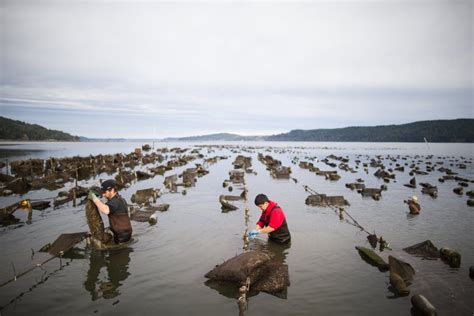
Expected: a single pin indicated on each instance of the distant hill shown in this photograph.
(17, 130)
(438, 131)
(215, 137)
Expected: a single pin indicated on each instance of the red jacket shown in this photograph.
(277, 218)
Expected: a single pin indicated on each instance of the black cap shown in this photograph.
(260, 199)
(107, 185)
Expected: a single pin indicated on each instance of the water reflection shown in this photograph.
(116, 263)
(276, 250)
(280, 277)
(10, 152)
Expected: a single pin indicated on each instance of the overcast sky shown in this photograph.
(157, 69)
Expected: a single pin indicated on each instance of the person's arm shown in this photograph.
(266, 230)
(102, 207)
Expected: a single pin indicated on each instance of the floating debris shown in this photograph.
(30, 167)
(58, 248)
(451, 257)
(369, 256)
(380, 173)
(237, 176)
(421, 306)
(144, 196)
(125, 177)
(18, 186)
(372, 192)
(242, 162)
(238, 268)
(160, 170)
(275, 281)
(425, 249)
(99, 238)
(324, 200)
(429, 189)
(65, 242)
(6, 214)
(226, 206)
(401, 275)
(61, 200)
(170, 183)
(306, 165)
(412, 183)
(256, 269)
(143, 216)
(189, 177)
(333, 176)
(158, 208)
(413, 205)
(54, 173)
(355, 186)
(141, 175)
(40, 205)
(372, 238)
(274, 166)
(281, 172)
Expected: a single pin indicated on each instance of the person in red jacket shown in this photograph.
(272, 221)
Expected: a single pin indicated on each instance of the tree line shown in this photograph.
(438, 131)
(17, 130)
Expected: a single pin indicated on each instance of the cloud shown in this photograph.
(235, 66)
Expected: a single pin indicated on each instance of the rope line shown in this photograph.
(354, 222)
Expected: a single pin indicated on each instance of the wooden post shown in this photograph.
(74, 197)
(246, 216)
(246, 240)
(77, 176)
(30, 212)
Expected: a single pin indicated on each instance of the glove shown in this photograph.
(92, 196)
(253, 233)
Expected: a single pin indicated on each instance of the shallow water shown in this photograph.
(163, 271)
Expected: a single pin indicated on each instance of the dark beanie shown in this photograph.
(260, 199)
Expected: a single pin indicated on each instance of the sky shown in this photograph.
(153, 69)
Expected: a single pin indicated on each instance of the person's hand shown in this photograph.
(92, 196)
(253, 233)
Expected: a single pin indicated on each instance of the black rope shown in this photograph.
(336, 209)
(44, 277)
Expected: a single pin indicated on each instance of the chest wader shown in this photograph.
(280, 235)
(120, 224)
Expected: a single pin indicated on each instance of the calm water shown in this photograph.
(163, 271)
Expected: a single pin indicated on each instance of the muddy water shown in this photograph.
(162, 272)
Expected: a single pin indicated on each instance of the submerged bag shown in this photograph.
(249, 264)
